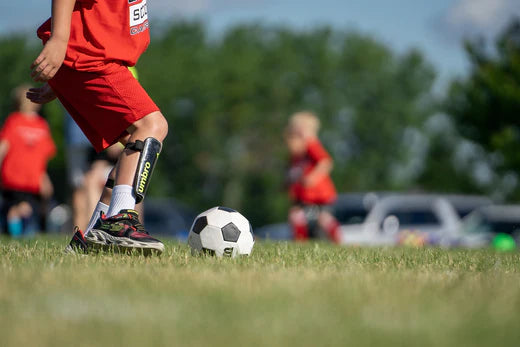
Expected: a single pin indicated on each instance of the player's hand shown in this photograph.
(310, 180)
(41, 95)
(49, 61)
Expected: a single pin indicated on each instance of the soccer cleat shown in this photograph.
(123, 233)
(78, 244)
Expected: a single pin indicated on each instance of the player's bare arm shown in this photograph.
(41, 95)
(4, 147)
(323, 168)
(53, 53)
(46, 187)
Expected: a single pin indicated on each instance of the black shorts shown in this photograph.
(14, 197)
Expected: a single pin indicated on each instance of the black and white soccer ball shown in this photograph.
(221, 231)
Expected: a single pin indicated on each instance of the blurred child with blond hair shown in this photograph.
(310, 186)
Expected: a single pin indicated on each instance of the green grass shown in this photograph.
(282, 295)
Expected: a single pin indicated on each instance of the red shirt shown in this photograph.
(103, 32)
(30, 148)
(323, 191)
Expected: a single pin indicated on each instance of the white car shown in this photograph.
(396, 219)
(482, 225)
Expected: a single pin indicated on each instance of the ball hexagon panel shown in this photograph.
(199, 224)
(230, 232)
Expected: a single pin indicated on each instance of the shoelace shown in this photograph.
(134, 219)
(137, 224)
(140, 228)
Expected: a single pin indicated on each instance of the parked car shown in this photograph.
(352, 208)
(482, 226)
(405, 219)
(168, 217)
(465, 204)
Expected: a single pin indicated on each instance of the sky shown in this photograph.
(436, 27)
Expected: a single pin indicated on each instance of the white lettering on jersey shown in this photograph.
(138, 17)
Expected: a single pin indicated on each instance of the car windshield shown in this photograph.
(506, 227)
(417, 217)
(350, 216)
(464, 211)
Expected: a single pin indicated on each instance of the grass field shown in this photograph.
(283, 295)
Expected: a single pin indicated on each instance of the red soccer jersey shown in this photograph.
(30, 148)
(323, 191)
(104, 32)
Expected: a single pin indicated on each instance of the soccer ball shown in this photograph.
(221, 231)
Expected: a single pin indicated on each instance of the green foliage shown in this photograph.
(15, 59)
(485, 106)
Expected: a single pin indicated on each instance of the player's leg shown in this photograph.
(100, 186)
(79, 207)
(298, 223)
(133, 172)
(29, 211)
(14, 222)
(78, 241)
(99, 193)
(330, 225)
(77, 166)
(100, 179)
(15, 208)
(114, 104)
(21, 219)
(146, 136)
(101, 208)
(312, 213)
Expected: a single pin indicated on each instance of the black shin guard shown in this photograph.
(150, 149)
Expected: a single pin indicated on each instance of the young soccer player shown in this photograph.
(88, 46)
(310, 187)
(26, 146)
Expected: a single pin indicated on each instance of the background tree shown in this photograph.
(486, 105)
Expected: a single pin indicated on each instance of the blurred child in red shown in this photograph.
(26, 146)
(310, 187)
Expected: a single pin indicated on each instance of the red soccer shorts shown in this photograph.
(103, 104)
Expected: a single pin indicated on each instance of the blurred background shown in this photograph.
(420, 98)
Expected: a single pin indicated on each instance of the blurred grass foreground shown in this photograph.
(283, 295)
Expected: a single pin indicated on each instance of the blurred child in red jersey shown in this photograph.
(310, 187)
(26, 146)
(88, 47)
